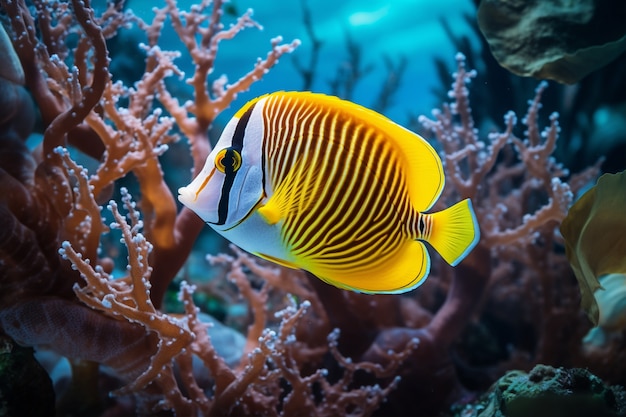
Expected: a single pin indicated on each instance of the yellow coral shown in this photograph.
(611, 299)
(595, 238)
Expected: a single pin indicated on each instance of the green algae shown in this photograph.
(548, 392)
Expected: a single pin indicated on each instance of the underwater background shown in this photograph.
(410, 35)
(116, 300)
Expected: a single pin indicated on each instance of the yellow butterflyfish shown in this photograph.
(314, 182)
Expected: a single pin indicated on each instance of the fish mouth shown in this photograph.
(189, 198)
(186, 196)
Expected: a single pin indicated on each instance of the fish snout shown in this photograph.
(186, 196)
(201, 203)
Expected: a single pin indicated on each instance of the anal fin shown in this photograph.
(405, 270)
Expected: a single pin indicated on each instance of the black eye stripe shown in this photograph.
(229, 161)
(229, 158)
(229, 178)
(240, 129)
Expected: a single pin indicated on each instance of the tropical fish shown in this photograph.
(314, 182)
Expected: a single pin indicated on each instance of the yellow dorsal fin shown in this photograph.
(425, 173)
(454, 231)
(422, 165)
(246, 106)
(421, 161)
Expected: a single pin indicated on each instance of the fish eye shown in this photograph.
(228, 160)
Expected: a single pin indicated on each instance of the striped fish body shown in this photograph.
(314, 182)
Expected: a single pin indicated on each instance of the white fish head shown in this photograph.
(230, 184)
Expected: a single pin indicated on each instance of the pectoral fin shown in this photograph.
(291, 195)
(270, 213)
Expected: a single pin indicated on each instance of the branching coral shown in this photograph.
(131, 138)
(49, 199)
(256, 386)
(520, 196)
(280, 355)
(470, 166)
(117, 322)
(518, 190)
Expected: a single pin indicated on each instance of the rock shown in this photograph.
(560, 40)
(549, 392)
(25, 387)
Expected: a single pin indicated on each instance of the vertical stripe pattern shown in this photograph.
(347, 182)
(236, 145)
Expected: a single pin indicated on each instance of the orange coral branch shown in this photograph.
(466, 160)
(227, 95)
(82, 225)
(130, 299)
(90, 94)
(203, 52)
(551, 213)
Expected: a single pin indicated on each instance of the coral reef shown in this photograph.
(519, 197)
(309, 348)
(57, 288)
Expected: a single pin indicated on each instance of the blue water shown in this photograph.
(411, 29)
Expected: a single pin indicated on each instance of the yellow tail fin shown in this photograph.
(454, 231)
